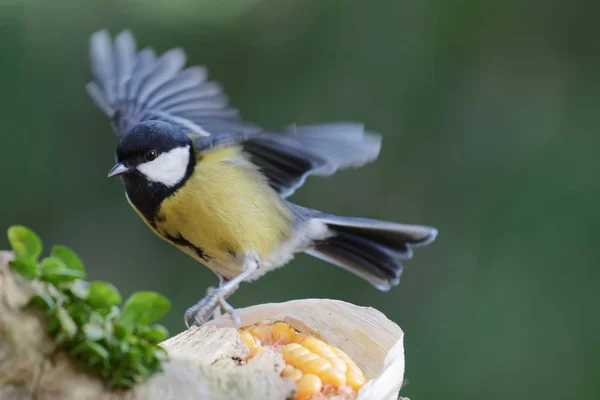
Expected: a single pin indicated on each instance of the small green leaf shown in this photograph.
(124, 347)
(156, 334)
(91, 347)
(124, 382)
(133, 340)
(94, 360)
(42, 300)
(27, 268)
(67, 325)
(78, 310)
(145, 372)
(68, 257)
(121, 331)
(52, 263)
(79, 288)
(24, 242)
(55, 271)
(93, 332)
(58, 296)
(144, 308)
(103, 295)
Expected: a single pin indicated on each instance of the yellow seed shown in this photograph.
(249, 340)
(289, 347)
(299, 337)
(308, 386)
(315, 366)
(287, 370)
(262, 333)
(296, 374)
(319, 347)
(282, 333)
(342, 355)
(334, 377)
(326, 352)
(314, 344)
(255, 352)
(294, 354)
(339, 364)
(355, 379)
(303, 360)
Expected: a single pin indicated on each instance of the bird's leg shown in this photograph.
(202, 310)
(224, 306)
(210, 289)
(217, 312)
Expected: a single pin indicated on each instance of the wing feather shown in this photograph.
(131, 87)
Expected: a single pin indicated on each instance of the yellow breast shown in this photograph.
(226, 209)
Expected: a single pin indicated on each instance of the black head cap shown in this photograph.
(150, 135)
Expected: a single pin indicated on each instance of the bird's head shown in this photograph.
(156, 152)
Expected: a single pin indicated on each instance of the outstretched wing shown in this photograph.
(288, 157)
(131, 87)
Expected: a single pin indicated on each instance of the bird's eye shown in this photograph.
(151, 155)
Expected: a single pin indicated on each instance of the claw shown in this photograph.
(215, 297)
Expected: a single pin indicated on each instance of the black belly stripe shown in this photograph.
(183, 242)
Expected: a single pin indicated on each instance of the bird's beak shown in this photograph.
(118, 169)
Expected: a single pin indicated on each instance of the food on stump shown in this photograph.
(320, 371)
(372, 347)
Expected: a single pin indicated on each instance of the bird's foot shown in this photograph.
(201, 312)
(213, 304)
(216, 297)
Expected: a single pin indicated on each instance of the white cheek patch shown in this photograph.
(168, 168)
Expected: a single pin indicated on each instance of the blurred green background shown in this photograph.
(490, 113)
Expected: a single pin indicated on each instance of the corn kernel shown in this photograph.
(299, 337)
(282, 332)
(315, 366)
(295, 354)
(296, 374)
(355, 379)
(287, 370)
(319, 347)
(308, 386)
(305, 359)
(339, 364)
(343, 355)
(262, 333)
(314, 344)
(248, 339)
(289, 347)
(334, 377)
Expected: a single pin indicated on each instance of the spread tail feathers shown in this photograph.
(369, 248)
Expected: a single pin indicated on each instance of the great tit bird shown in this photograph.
(215, 185)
